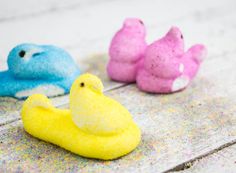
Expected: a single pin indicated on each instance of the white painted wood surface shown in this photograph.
(175, 128)
(223, 161)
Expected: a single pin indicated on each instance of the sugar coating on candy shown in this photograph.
(166, 66)
(95, 126)
(161, 67)
(35, 68)
(126, 49)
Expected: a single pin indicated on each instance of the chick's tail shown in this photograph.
(36, 100)
(35, 112)
(197, 52)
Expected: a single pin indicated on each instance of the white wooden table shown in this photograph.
(190, 131)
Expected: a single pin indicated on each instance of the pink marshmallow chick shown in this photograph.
(165, 67)
(126, 49)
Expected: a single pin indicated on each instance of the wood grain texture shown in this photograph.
(176, 128)
(221, 161)
(17, 10)
(89, 29)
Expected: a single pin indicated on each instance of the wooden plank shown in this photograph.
(221, 161)
(154, 154)
(30, 8)
(89, 34)
(176, 128)
(16, 10)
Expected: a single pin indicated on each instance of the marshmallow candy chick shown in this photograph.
(96, 126)
(166, 68)
(126, 50)
(34, 68)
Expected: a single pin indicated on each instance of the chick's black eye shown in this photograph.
(82, 84)
(22, 53)
(141, 22)
(182, 36)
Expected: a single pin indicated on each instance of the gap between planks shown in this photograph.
(189, 163)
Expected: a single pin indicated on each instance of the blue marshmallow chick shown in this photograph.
(32, 68)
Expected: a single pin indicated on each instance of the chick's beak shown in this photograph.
(98, 86)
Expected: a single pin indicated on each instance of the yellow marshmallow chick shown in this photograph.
(96, 126)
